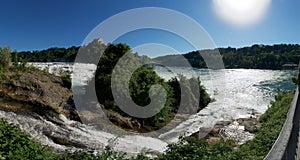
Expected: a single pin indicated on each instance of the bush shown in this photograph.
(16, 144)
(108, 154)
(5, 56)
(190, 148)
(66, 78)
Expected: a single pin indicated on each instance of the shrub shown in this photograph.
(16, 144)
(5, 58)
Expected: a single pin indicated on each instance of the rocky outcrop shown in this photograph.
(44, 91)
(240, 130)
(251, 124)
(124, 122)
(211, 132)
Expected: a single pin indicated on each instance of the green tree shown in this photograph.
(14, 58)
(191, 91)
(139, 85)
(5, 57)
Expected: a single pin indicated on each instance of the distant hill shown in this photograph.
(279, 56)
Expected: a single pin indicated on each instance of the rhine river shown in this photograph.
(237, 93)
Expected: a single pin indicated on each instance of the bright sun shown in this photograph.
(241, 12)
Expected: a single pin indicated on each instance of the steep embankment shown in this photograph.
(38, 102)
(45, 93)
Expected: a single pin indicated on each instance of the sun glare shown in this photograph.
(241, 12)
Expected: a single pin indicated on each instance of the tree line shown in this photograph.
(254, 57)
(54, 54)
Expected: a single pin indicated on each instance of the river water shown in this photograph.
(237, 93)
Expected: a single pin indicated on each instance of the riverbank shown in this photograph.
(264, 137)
(66, 135)
(237, 92)
(239, 130)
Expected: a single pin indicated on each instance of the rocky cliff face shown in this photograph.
(45, 92)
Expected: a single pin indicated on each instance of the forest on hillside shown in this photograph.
(281, 56)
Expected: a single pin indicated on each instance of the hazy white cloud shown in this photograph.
(241, 12)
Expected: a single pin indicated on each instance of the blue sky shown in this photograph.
(36, 24)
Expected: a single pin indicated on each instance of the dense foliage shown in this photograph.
(191, 148)
(16, 144)
(193, 85)
(5, 58)
(49, 55)
(119, 59)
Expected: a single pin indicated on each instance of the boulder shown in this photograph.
(250, 124)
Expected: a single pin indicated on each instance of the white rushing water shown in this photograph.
(237, 93)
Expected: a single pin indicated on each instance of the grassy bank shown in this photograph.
(272, 121)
